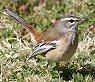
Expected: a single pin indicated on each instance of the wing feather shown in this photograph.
(43, 47)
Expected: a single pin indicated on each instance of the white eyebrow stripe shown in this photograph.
(70, 18)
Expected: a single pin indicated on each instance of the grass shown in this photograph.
(15, 47)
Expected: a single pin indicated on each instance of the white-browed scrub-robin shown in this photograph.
(59, 43)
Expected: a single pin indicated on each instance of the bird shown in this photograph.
(59, 43)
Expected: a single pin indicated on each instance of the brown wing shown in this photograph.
(52, 34)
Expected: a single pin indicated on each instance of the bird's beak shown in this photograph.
(82, 20)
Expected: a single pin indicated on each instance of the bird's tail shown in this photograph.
(36, 35)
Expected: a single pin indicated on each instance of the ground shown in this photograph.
(16, 45)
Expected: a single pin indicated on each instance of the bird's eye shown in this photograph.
(71, 21)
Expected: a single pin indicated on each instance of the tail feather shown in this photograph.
(36, 36)
(17, 18)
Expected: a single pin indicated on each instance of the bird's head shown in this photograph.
(70, 23)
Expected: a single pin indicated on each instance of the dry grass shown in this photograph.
(14, 50)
